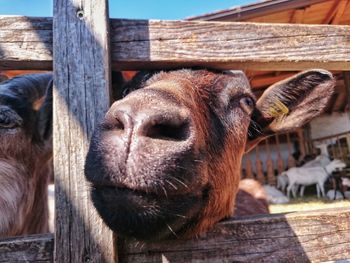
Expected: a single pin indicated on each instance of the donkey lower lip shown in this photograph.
(139, 215)
(150, 196)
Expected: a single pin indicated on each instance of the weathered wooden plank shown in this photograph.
(25, 42)
(164, 44)
(35, 248)
(313, 236)
(81, 98)
(256, 46)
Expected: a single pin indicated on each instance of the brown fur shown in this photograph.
(197, 96)
(23, 186)
(25, 154)
(166, 160)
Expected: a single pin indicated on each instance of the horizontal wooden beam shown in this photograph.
(297, 237)
(26, 43)
(311, 236)
(35, 248)
(227, 45)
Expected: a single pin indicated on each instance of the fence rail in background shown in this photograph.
(337, 145)
(272, 160)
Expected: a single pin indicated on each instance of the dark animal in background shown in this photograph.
(251, 199)
(166, 160)
(25, 153)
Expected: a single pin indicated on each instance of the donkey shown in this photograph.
(165, 162)
(25, 153)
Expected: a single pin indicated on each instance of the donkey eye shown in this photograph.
(247, 103)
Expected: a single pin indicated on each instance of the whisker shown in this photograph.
(164, 190)
(179, 181)
(171, 184)
(172, 214)
(172, 231)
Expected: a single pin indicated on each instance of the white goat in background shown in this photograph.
(320, 161)
(312, 175)
(283, 181)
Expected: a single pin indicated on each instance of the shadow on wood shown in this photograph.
(312, 236)
(297, 237)
(80, 100)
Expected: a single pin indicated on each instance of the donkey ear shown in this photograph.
(290, 104)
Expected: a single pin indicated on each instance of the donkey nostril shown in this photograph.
(113, 124)
(118, 121)
(168, 131)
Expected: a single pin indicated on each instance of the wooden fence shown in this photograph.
(75, 43)
(268, 159)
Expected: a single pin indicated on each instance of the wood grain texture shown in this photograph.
(35, 248)
(27, 43)
(256, 46)
(317, 236)
(314, 236)
(81, 98)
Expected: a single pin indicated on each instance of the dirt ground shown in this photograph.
(307, 204)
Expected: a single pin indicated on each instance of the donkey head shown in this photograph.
(165, 162)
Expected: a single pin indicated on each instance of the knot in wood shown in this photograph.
(80, 14)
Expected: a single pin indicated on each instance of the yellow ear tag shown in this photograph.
(278, 110)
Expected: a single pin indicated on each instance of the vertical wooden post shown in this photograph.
(291, 160)
(334, 153)
(348, 144)
(259, 167)
(341, 155)
(280, 163)
(301, 141)
(81, 98)
(271, 179)
(346, 76)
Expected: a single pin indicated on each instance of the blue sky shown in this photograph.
(138, 9)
